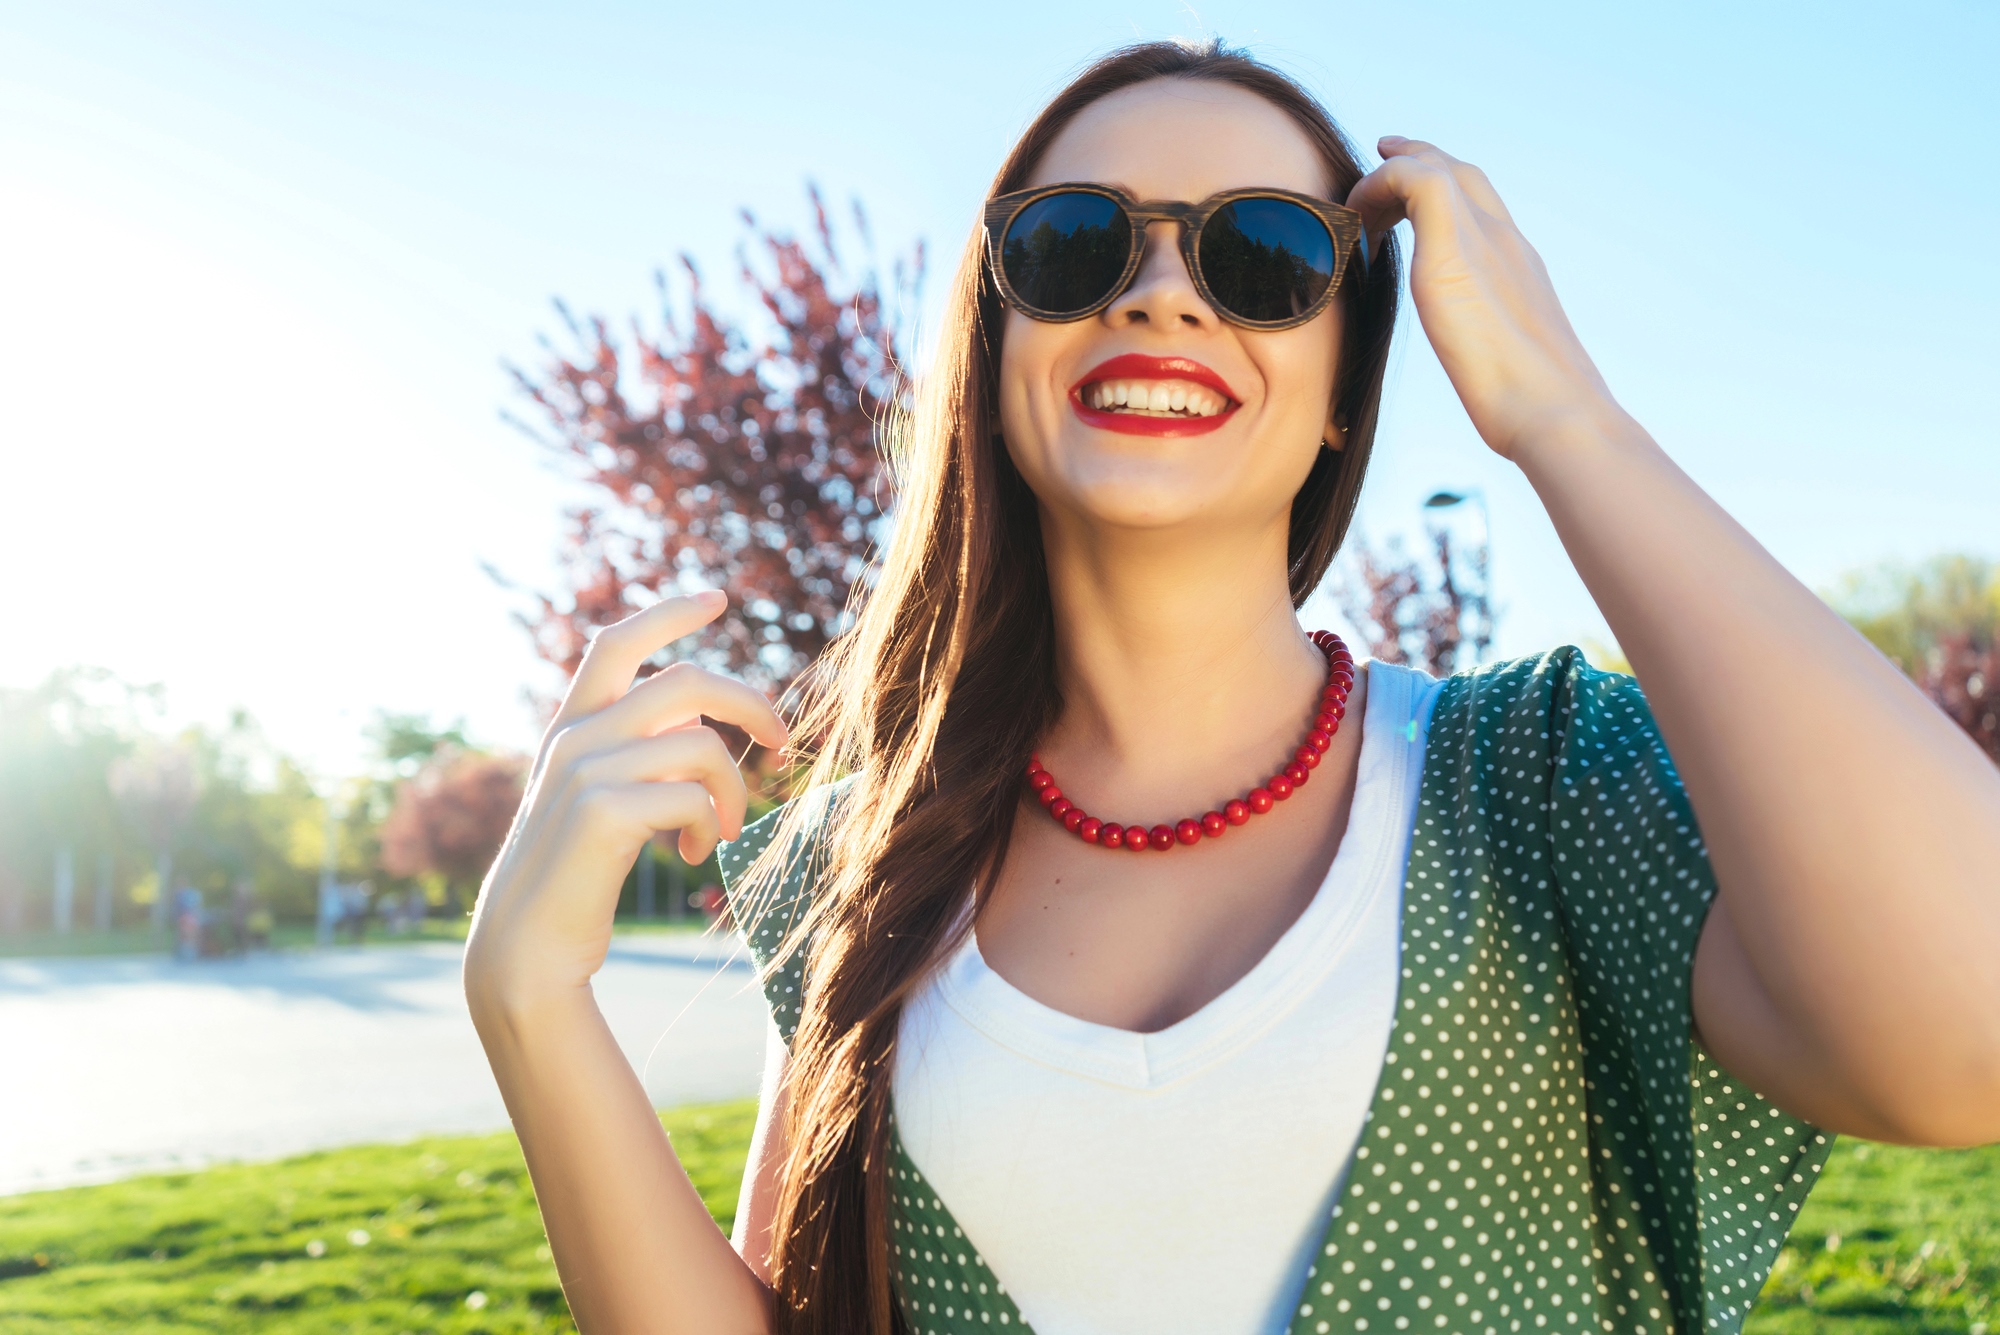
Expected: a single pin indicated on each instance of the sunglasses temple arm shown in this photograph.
(1362, 245)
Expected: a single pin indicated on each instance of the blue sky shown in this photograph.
(260, 266)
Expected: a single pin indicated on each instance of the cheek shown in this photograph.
(1301, 366)
(1030, 399)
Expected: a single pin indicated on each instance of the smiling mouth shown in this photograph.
(1176, 399)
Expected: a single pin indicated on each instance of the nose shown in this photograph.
(1162, 292)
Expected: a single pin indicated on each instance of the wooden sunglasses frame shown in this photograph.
(1342, 223)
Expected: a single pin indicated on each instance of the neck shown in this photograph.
(1179, 657)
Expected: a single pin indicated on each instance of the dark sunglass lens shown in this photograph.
(1266, 259)
(1065, 252)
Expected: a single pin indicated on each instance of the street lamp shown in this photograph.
(1445, 500)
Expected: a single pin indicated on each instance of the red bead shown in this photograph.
(1332, 707)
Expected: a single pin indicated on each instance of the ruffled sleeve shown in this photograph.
(1714, 1165)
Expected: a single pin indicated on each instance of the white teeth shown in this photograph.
(1155, 396)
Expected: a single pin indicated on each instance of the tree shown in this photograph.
(1939, 623)
(1405, 617)
(449, 821)
(726, 459)
(59, 743)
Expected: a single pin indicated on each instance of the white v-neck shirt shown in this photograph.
(1176, 1181)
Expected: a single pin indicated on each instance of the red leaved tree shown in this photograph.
(1962, 674)
(1940, 623)
(1406, 616)
(724, 458)
(449, 820)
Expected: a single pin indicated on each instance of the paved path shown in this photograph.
(115, 1066)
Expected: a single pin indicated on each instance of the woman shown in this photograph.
(1433, 1010)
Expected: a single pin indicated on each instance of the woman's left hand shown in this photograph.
(1484, 297)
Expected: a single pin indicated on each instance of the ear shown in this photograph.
(1334, 436)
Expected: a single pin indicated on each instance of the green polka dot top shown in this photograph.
(1548, 1148)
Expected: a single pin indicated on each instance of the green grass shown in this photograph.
(435, 1235)
(1894, 1240)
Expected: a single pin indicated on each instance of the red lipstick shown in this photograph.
(1136, 366)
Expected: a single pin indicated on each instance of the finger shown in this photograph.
(1390, 193)
(685, 755)
(1468, 178)
(679, 695)
(614, 657)
(633, 812)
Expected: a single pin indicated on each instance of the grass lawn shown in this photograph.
(1892, 1240)
(435, 1235)
(441, 1235)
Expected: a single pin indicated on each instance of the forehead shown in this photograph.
(1184, 139)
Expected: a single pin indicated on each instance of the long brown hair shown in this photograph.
(936, 698)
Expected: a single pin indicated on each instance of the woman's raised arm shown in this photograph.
(1850, 968)
(634, 1246)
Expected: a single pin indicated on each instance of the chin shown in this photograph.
(1155, 493)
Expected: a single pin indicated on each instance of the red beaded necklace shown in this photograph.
(1332, 707)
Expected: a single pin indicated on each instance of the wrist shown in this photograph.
(1579, 429)
(505, 999)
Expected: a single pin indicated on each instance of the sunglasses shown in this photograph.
(1263, 259)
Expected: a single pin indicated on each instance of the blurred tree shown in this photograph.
(405, 742)
(84, 766)
(1407, 617)
(58, 744)
(258, 820)
(449, 820)
(727, 459)
(156, 788)
(1940, 623)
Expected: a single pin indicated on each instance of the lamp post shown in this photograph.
(1446, 500)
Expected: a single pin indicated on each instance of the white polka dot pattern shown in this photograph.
(1548, 1149)
(942, 1280)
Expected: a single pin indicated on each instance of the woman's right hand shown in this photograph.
(619, 762)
